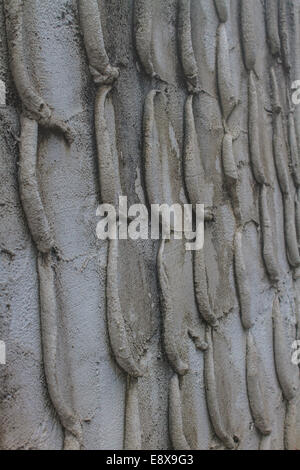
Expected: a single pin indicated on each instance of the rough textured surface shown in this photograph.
(238, 58)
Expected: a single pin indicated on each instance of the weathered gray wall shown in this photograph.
(68, 176)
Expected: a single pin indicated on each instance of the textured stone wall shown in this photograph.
(142, 344)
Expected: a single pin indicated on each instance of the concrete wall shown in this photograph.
(66, 383)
